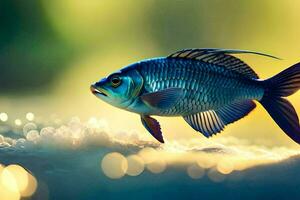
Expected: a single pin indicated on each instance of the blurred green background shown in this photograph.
(52, 50)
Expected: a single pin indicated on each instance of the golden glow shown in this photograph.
(97, 25)
(218, 157)
(15, 182)
(114, 165)
(6, 194)
(219, 161)
(14, 178)
(31, 187)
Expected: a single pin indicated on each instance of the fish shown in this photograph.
(210, 88)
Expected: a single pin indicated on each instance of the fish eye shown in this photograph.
(115, 81)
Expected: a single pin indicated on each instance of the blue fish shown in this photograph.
(209, 88)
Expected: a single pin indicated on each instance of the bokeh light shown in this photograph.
(31, 187)
(114, 165)
(6, 194)
(14, 178)
(195, 172)
(148, 154)
(77, 134)
(3, 117)
(15, 182)
(157, 166)
(215, 176)
(30, 116)
(47, 131)
(135, 165)
(217, 161)
(225, 166)
(29, 127)
(32, 135)
(18, 122)
(155, 163)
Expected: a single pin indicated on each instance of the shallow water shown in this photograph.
(89, 160)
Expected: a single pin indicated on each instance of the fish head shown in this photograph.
(119, 89)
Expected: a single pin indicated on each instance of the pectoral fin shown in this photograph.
(152, 125)
(163, 99)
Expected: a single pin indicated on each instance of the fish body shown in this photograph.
(209, 88)
(204, 86)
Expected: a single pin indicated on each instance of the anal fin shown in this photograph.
(214, 121)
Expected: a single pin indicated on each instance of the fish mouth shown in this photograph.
(96, 91)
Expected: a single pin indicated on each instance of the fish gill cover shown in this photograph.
(88, 159)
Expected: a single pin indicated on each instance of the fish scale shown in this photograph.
(205, 86)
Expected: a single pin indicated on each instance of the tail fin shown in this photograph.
(280, 109)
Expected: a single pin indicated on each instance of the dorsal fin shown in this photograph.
(220, 57)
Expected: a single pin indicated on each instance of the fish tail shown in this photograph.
(280, 109)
